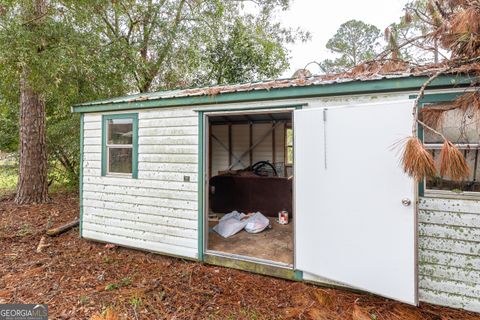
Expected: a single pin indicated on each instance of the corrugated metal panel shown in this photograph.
(449, 252)
(240, 144)
(219, 151)
(254, 86)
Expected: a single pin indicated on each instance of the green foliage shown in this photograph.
(411, 37)
(181, 43)
(354, 42)
(65, 64)
(84, 299)
(123, 283)
(8, 173)
(247, 50)
(92, 49)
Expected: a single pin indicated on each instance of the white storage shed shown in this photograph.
(159, 170)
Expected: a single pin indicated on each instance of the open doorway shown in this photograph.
(250, 181)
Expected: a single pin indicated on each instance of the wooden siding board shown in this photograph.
(141, 226)
(449, 252)
(169, 131)
(467, 289)
(169, 158)
(152, 200)
(450, 232)
(141, 191)
(450, 218)
(450, 273)
(92, 134)
(169, 122)
(155, 216)
(151, 246)
(165, 140)
(449, 299)
(141, 234)
(147, 209)
(432, 257)
(170, 149)
(155, 185)
(450, 205)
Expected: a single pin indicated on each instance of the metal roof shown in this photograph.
(362, 79)
(244, 87)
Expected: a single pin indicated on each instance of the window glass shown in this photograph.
(120, 160)
(463, 129)
(120, 131)
(289, 146)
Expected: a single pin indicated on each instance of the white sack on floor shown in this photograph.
(230, 224)
(257, 223)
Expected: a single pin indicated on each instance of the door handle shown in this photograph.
(406, 202)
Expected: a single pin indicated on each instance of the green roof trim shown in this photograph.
(331, 89)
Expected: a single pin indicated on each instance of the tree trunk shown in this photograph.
(32, 186)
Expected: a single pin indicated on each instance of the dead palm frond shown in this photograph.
(453, 163)
(417, 162)
(432, 117)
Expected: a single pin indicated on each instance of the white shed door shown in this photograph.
(351, 225)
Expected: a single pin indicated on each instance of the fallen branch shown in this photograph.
(56, 231)
(42, 245)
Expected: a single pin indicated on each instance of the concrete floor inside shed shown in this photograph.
(275, 244)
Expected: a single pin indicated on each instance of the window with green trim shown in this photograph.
(120, 144)
(463, 129)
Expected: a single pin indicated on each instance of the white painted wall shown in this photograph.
(449, 252)
(158, 211)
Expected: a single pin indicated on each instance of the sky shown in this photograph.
(323, 18)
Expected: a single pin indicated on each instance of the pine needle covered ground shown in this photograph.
(80, 279)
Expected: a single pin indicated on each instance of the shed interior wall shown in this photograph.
(240, 143)
(235, 144)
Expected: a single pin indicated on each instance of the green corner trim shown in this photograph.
(438, 97)
(80, 182)
(251, 266)
(201, 167)
(295, 106)
(134, 117)
(298, 275)
(333, 89)
(201, 183)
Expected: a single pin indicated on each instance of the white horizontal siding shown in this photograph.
(159, 210)
(169, 182)
(141, 208)
(449, 252)
(166, 140)
(168, 122)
